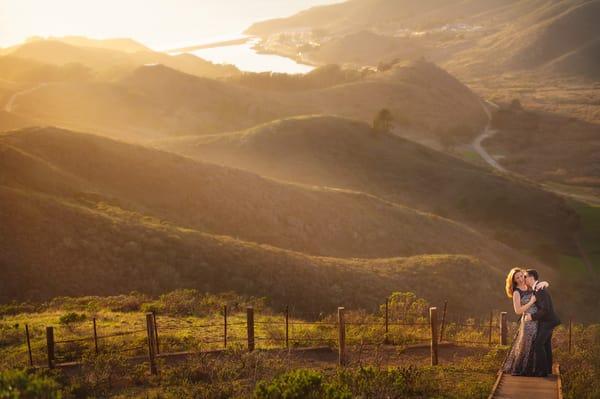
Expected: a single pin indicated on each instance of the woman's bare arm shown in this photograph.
(520, 309)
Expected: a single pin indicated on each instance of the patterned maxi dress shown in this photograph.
(520, 359)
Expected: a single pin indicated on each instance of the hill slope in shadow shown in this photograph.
(224, 201)
(52, 246)
(336, 152)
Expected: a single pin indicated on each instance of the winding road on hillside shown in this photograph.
(8, 107)
(489, 132)
(486, 134)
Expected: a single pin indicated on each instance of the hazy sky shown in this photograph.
(159, 24)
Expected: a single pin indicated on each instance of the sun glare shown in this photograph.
(159, 24)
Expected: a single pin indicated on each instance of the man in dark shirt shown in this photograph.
(547, 321)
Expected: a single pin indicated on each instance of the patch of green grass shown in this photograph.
(590, 232)
(572, 268)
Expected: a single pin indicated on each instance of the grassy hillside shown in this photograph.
(467, 36)
(55, 246)
(368, 48)
(343, 153)
(22, 71)
(149, 102)
(220, 200)
(547, 35)
(419, 95)
(548, 147)
(579, 61)
(159, 101)
(358, 15)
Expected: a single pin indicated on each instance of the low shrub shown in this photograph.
(71, 317)
(19, 384)
(299, 384)
(362, 382)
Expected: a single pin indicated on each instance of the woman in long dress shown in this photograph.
(520, 360)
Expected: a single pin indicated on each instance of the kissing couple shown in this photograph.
(531, 353)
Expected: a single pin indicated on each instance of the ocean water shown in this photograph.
(247, 59)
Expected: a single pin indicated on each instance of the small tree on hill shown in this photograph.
(515, 105)
(383, 121)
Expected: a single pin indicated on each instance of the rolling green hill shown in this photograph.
(336, 152)
(84, 214)
(53, 247)
(224, 201)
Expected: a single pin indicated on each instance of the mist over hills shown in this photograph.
(108, 60)
(155, 101)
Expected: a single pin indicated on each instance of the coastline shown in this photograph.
(259, 48)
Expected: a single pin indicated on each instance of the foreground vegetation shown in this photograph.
(580, 369)
(374, 371)
(238, 374)
(269, 372)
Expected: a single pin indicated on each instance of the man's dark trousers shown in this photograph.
(543, 348)
(547, 321)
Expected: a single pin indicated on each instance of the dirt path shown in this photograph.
(485, 134)
(9, 106)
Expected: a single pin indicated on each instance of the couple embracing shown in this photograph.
(531, 354)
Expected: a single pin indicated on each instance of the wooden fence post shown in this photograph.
(151, 343)
(570, 333)
(341, 337)
(224, 326)
(28, 345)
(386, 340)
(155, 332)
(287, 327)
(442, 328)
(503, 329)
(250, 327)
(434, 335)
(490, 329)
(50, 346)
(95, 335)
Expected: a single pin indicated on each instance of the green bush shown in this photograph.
(373, 382)
(100, 372)
(299, 384)
(406, 306)
(18, 384)
(71, 317)
(363, 382)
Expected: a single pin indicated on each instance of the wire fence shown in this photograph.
(164, 335)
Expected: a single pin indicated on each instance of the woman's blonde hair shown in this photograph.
(510, 281)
